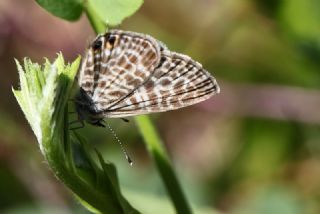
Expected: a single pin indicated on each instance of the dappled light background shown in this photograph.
(254, 148)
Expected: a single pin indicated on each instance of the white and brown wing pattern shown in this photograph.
(116, 64)
(126, 74)
(178, 81)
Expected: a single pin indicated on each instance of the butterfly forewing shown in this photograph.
(126, 74)
(116, 64)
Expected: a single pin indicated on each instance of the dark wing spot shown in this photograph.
(133, 59)
(107, 35)
(111, 40)
(165, 82)
(128, 78)
(117, 93)
(121, 71)
(149, 85)
(122, 61)
(162, 60)
(191, 76)
(145, 44)
(215, 87)
(152, 96)
(134, 82)
(97, 44)
(128, 66)
(150, 55)
(179, 83)
(125, 39)
(102, 84)
(139, 74)
(149, 58)
(88, 84)
(88, 72)
(133, 99)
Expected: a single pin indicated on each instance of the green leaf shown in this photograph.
(66, 9)
(301, 18)
(43, 97)
(113, 12)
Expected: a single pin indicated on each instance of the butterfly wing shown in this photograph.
(178, 81)
(115, 65)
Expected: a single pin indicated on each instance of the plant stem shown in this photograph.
(161, 159)
(153, 142)
(97, 24)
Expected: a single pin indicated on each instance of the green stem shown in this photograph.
(161, 159)
(152, 141)
(97, 24)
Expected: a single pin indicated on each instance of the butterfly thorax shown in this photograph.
(86, 109)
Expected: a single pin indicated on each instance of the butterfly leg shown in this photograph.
(125, 120)
(80, 122)
(99, 123)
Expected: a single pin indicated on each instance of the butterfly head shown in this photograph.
(86, 109)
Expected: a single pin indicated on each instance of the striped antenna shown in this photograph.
(120, 143)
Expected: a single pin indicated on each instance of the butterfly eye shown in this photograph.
(97, 44)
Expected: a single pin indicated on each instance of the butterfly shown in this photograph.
(125, 74)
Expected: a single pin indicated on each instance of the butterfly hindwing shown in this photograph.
(177, 82)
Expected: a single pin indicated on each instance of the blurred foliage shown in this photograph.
(15, 191)
(111, 12)
(66, 9)
(233, 162)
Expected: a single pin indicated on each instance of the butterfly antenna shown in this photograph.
(120, 143)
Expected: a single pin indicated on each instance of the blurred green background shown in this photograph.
(254, 148)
